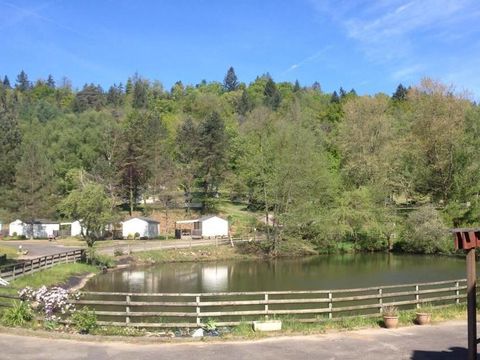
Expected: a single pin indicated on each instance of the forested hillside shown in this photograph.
(375, 172)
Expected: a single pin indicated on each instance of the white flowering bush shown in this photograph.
(52, 302)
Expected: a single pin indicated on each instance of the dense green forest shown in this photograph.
(375, 172)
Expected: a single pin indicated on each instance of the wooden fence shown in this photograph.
(11, 271)
(171, 310)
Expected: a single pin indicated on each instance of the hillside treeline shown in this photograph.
(390, 171)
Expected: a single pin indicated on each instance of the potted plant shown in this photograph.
(424, 315)
(390, 316)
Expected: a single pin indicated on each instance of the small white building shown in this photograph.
(73, 228)
(37, 228)
(207, 226)
(42, 228)
(17, 228)
(76, 228)
(145, 227)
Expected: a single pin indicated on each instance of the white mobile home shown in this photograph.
(76, 228)
(41, 228)
(73, 228)
(145, 227)
(17, 228)
(207, 226)
(37, 228)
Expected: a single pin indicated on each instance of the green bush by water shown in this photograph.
(18, 315)
(85, 320)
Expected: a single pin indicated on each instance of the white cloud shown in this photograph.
(408, 37)
(407, 72)
(308, 59)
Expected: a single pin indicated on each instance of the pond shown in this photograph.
(312, 273)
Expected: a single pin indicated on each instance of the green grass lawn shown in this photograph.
(292, 327)
(197, 253)
(241, 219)
(11, 252)
(57, 275)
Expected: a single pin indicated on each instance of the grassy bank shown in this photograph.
(242, 251)
(292, 327)
(11, 252)
(197, 253)
(57, 275)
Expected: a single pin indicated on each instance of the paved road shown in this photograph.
(144, 245)
(38, 248)
(445, 341)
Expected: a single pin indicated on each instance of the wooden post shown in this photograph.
(471, 304)
(13, 272)
(330, 304)
(380, 300)
(417, 297)
(457, 292)
(197, 299)
(127, 310)
(266, 306)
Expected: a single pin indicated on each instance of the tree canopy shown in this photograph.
(327, 168)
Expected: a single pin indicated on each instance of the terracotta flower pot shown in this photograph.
(423, 318)
(390, 322)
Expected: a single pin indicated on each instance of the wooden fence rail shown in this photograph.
(160, 310)
(12, 271)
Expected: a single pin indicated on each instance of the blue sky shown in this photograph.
(367, 45)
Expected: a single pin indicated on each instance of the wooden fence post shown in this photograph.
(330, 304)
(127, 310)
(417, 297)
(457, 292)
(380, 300)
(197, 300)
(266, 306)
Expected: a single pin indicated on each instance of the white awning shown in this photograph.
(186, 221)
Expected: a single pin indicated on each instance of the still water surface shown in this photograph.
(319, 272)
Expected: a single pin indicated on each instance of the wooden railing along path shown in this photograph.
(12, 271)
(160, 310)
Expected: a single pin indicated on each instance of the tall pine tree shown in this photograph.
(230, 82)
(6, 82)
(272, 95)
(34, 179)
(23, 84)
(400, 94)
(212, 155)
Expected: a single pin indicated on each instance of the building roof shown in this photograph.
(144, 219)
(42, 221)
(201, 219)
(207, 217)
(36, 221)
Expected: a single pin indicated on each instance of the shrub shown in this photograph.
(85, 320)
(94, 258)
(425, 233)
(18, 315)
(118, 252)
(137, 235)
(210, 325)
